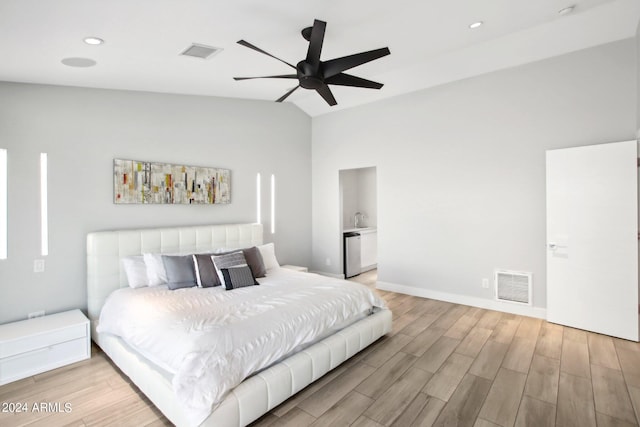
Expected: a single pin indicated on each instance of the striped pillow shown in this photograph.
(233, 259)
(238, 277)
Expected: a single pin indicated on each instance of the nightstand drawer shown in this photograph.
(43, 359)
(29, 347)
(41, 340)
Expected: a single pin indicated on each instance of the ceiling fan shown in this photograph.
(315, 74)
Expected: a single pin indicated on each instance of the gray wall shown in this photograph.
(461, 167)
(82, 130)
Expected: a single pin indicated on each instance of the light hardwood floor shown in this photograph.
(443, 365)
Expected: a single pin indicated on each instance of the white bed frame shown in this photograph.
(259, 393)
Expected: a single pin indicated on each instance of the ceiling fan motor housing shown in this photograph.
(309, 77)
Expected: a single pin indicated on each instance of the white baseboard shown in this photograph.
(523, 310)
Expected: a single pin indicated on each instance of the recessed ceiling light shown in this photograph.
(79, 62)
(566, 10)
(476, 24)
(93, 40)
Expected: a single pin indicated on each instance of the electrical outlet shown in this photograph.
(328, 261)
(35, 314)
(38, 266)
(485, 283)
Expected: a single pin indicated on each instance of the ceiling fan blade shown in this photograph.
(282, 76)
(343, 79)
(250, 46)
(325, 92)
(315, 43)
(338, 65)
(283, 97)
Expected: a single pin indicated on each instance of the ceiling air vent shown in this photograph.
(513, 286)
(202, 51)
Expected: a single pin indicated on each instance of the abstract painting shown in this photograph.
(163, 183)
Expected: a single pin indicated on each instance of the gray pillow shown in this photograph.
(238, 277)
(206, 275)
(180, 271)
(255, 262)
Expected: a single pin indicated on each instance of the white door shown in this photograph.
(592, 243)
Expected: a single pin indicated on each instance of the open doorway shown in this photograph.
(358, 220)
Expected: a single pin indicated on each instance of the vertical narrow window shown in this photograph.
(44, 220)
(3, 204)
(258, 200)
(273, 204)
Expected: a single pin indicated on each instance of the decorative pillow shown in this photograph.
(234, 259)
(156, 273)
(180, 271)
(253, 257)
(268, 252)
(206, 275)
(136, 271)
(238, 277)
(254, 260)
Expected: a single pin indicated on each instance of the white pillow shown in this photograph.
(268, 252)
(136, 271)
(156, 274)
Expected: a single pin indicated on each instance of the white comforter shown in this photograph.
(212, 339)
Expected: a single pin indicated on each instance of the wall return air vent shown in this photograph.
(513, 286)
(202, 51)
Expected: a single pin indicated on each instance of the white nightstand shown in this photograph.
(37, 345)
(296, 268)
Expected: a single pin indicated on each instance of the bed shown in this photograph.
(257, 394)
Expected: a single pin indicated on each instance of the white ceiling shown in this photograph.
(430, 41)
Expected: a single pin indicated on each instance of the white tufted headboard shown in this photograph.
(106, 248)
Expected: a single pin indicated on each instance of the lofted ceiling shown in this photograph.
(430, 42)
